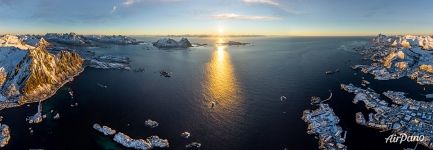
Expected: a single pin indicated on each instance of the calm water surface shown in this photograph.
(245, 82)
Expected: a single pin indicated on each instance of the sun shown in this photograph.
(220, 29)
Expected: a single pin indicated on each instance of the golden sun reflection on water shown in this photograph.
(221, 86)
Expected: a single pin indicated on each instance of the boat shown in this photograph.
(71, 93)
(165, 74)
(141, 69)
(101, 85)
(282, 98)
(332, 71)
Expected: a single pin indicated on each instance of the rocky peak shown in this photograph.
(48, 72)
(35, 74)
(184, 43)
(42, 42)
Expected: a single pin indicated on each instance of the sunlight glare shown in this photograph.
(220, 29)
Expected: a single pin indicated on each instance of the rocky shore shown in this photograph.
(104, 129)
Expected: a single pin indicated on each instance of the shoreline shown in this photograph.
(35, 100)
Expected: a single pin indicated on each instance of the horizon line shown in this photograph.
(209, 35)
(226, 35)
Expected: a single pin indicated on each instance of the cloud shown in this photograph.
(233, 16)
(6, 2)
(113, 9)
(169, 0)
(130, 2)
(69, 12)
(281, 6)
(266, 2)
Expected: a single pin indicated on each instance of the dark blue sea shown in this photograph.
(245, 82)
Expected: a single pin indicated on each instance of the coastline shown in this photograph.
(69, 79)
(35, 100)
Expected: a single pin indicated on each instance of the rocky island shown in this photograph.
(185, 135)
(196, 145)
(170, 43)
(403, 116)
(324, 123)
(104, 129)
(394, 57)
(233, 43)
(150, 123)
(140, 144)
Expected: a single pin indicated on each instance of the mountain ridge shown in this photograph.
(37, 74)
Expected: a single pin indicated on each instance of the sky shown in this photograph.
(216, 17)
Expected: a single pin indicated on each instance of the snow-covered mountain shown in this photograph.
(29, 74)
(78, 40)
(113, 39)
(66, 38)
(170, 43)
(398, 56)
(75, 39)
(406, 41)
(13, 41)
(32, 40)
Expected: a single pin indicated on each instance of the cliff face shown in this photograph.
(35, 74)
